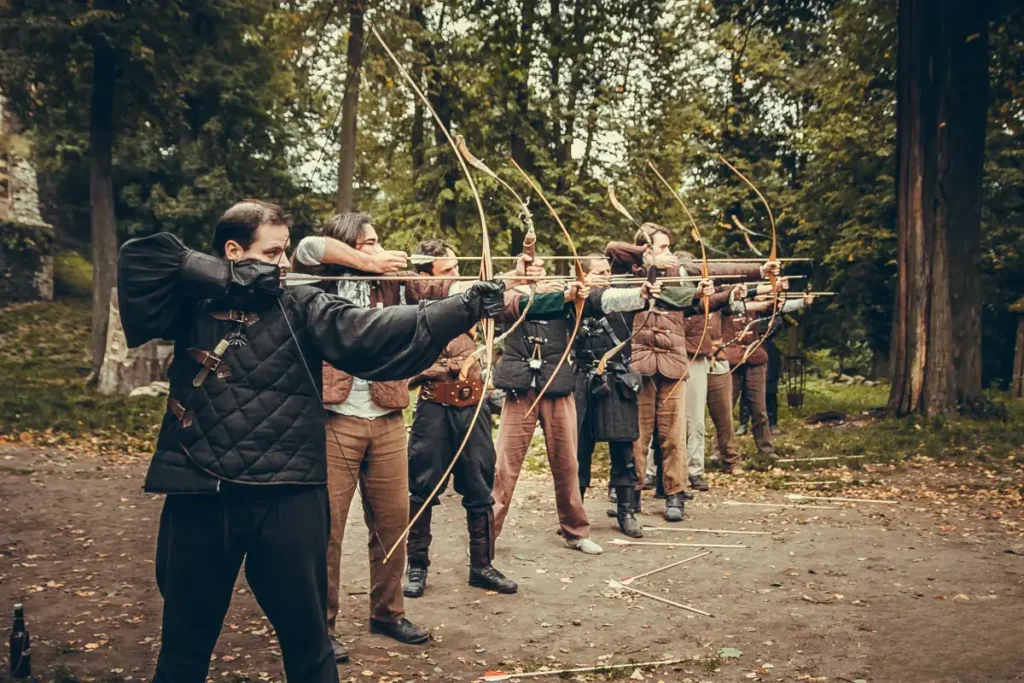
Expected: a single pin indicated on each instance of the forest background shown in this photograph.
(207, 102)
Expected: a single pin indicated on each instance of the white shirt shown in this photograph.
(359, 403)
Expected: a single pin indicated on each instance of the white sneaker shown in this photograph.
(584, 545)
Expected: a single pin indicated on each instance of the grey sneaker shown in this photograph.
(584, 545)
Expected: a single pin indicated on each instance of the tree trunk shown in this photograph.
(419, 111)
(922, 338)
(520, 88)
(102, 220)
(125, 370)
(1017, 383)
(350, 105)
(963, 137)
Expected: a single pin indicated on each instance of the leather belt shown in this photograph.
(181, 412)
(460, 393)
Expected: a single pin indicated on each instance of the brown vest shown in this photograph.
(387, 395)
(446, 368)
(733, 325)
(659, 347)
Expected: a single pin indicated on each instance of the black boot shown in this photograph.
(482, 573)
(614, 512)
(415, 581)
(418, 549)
(674, 507)
(627, 522)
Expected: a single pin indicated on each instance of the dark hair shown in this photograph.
(348, 227)
(588, 260)
(647, 232)
(435, 248)
(239, 223)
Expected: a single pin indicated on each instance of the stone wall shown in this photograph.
(26, 240)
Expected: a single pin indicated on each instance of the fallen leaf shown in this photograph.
(729, 653)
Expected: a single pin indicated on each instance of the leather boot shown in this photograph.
(635, 501)
(674, 507)
(418, 550)
(627, 522)
(482, 573)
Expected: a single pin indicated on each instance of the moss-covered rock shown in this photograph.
(24, 251)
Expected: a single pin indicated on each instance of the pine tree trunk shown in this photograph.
(350, 105)
(922, 338)
(961, 185)
(101, 194)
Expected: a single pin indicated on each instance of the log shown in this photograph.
(126, 369)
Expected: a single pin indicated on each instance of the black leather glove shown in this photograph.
(485, 299)
(255, 277)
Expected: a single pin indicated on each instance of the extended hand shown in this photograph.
(254, 277)
(706, 288)
(384, 262)
(770, 269)
(485, 299)
(650, 291)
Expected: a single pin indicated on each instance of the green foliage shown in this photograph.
(72, 274)
(204, 106)
(44, 358)
(218, 100)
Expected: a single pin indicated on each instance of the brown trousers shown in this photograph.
(668, 417)
(753, 381)
(720, 408)
(374, 452)
(557, 415)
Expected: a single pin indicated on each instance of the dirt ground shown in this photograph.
(929, 589)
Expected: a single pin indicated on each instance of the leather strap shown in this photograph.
(211, 362)
(244, 317)
(181, 412)
(459, 394)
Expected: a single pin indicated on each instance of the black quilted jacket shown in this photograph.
(264, 424)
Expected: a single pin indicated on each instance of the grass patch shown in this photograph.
(44, 359)
(995, 442)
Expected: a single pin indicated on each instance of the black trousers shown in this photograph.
(437, 431)
(281, 533)
(623, 468)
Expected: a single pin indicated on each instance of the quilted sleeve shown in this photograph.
(383, 344)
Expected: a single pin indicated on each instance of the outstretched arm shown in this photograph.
(396, 342)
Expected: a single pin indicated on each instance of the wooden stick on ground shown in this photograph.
(620, 541)
(797, 496)
(616, 584)
(707, 531)
(631, 579)
(782, 505)
(812, 483)
(827, 457)
(494, 676)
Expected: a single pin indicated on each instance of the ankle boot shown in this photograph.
(418, 551)
(634, 501)
(415, 581)
(624, 512)
(481, 552)
(674, 508)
